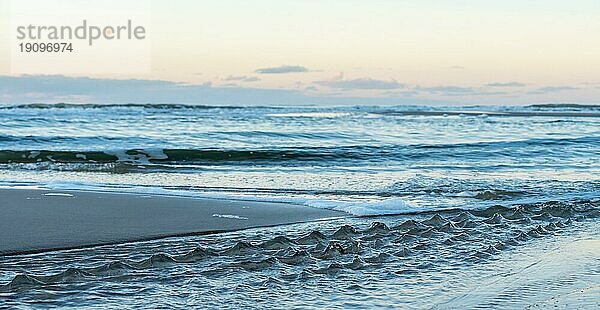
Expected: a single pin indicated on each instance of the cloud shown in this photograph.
(405, 93)
(372, 68)
(506, 84)
(551, 89)
(448, 90)
(362, 83)
(54, 88)
(242, 78)
(453, 90)
(281, 69)
(58, 88)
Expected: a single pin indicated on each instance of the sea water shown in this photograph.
(441, 198)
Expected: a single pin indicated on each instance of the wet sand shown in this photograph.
(573, 274)
(39, 220)
(566, 277)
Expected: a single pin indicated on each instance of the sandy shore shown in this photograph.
(564, 277)
(39, 220)
(573, 274)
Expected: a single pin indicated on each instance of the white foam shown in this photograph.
(357, 208)
(229, 216)
(311, 114)
(390, 206)
(121, 155)
(59, 194)
(33, 154)
(155, 154)
(140, 157)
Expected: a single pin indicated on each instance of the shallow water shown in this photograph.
(446, 198)
(419, 260)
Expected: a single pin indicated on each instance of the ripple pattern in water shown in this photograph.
(383, 261)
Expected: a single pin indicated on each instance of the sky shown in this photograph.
(338, 52)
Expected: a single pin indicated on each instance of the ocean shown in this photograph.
(442, 199)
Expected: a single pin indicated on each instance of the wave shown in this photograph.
(547, 109)
(486, 113)
(311, 114)
(81, 140)
(417, 195)
(168, 106)
(311, 154)
(565, 106)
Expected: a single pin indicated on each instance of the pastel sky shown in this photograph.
(390, 51)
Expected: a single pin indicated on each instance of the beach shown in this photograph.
(41, 220)
(172, 206)
(282, 154)
(530, 256)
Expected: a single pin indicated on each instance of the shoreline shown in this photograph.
(562, 277)
(36, 220)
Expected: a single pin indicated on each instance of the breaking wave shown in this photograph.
(325, 156)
